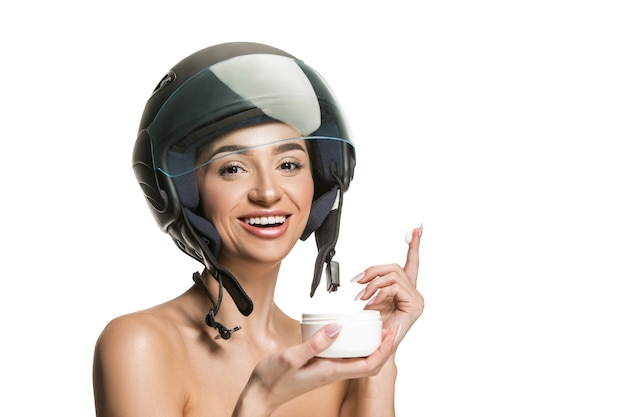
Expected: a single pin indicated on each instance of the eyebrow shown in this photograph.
(283, 147)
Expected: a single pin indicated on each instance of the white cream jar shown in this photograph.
(360, 335)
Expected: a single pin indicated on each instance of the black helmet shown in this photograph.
(218, 89)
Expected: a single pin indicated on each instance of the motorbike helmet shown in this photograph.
(214, 91)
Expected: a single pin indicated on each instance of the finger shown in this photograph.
(385, 281)
(371, 365)
(412, 258)
(374, 362)
(376, 271)
(318, 342)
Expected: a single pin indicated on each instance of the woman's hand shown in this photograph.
(296, 370)
(287, 374)
(391, 289)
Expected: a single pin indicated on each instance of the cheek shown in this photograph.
(213, 202)
(306, 191)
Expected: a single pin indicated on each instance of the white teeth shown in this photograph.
(264, 221)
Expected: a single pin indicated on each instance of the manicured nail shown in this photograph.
(358, 277)
(360, 294)
(333, 329)
(408, 237)
(395, 341)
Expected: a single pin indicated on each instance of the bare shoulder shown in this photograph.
(138, 358)
(135, 330)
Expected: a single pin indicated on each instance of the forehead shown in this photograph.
(252, 137)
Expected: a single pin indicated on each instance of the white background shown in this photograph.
(498, 124)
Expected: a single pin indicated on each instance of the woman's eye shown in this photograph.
(290, 166)
(230, 169)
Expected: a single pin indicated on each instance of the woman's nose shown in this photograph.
(266, 190)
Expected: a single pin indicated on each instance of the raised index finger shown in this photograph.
(412, 257)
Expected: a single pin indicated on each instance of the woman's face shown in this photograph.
(259, 199)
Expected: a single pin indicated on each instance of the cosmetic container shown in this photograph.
(360, 335)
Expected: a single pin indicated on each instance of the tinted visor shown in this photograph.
(238, 89)
(323, 151)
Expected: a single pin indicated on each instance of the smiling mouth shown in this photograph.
(265, 221)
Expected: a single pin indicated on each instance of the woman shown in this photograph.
(242, 151)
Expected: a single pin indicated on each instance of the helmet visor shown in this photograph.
(325, 152)
(233, 91)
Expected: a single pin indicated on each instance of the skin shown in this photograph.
(164, 361)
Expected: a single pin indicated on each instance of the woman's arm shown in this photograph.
(296, 370)
(372, 396)
(391, 290)
(135, 374)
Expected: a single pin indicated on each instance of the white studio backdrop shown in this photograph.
(499, 125)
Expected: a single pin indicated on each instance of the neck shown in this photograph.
(259, 284)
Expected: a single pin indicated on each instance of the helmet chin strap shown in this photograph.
(224, 279)
(326, 237)
(224, 332)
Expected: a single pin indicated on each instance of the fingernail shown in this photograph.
(408, 237)
(333, 329)
(358, 277)
(395, 341)
(371, 301)
(360, 294)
